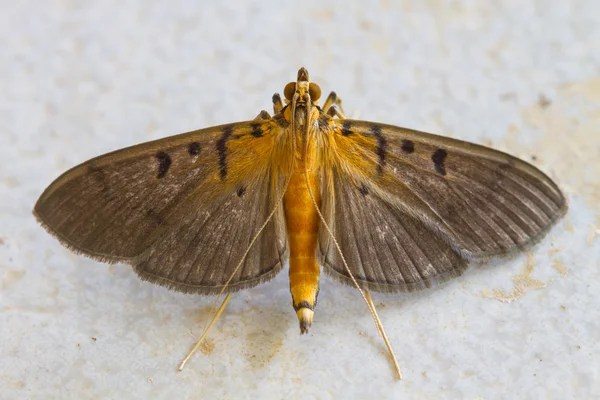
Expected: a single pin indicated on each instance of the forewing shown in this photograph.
(480, 202)
(125, 205)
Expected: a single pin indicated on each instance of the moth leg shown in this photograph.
(277, 103)
(334, 111)
(333, 100)
(199, 342)
(262, 115)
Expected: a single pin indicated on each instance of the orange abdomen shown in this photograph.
(302, 222)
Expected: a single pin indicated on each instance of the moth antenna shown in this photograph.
(208, 326)
(365, 294)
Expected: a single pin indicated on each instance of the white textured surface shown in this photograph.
(81, 78)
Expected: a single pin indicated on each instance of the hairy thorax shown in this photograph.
(305, 136)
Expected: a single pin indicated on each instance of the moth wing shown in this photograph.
(478, 202)
(386, 249)
(203, 241)
(172, 207)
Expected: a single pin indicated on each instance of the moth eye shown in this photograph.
(289, 90)
(315, 91)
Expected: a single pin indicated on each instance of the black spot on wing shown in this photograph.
(382, 145)
(194, 148)
(408, 146)
(222, 150)
(240, 192)
(155, 216)
(363, 190)
(346, 126)
(438, 157)
(164, 163)
(256, 130)
(98, 175)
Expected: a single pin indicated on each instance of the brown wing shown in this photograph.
(386, 249)
(210, 189)
(474, 200)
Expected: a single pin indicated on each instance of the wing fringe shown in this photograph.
(104, 258)
(397, 288)
(208, 290)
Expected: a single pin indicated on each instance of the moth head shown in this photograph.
(303, 87)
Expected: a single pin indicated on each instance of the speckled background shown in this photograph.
(80, 78)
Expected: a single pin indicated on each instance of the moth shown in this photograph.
(221, 209)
